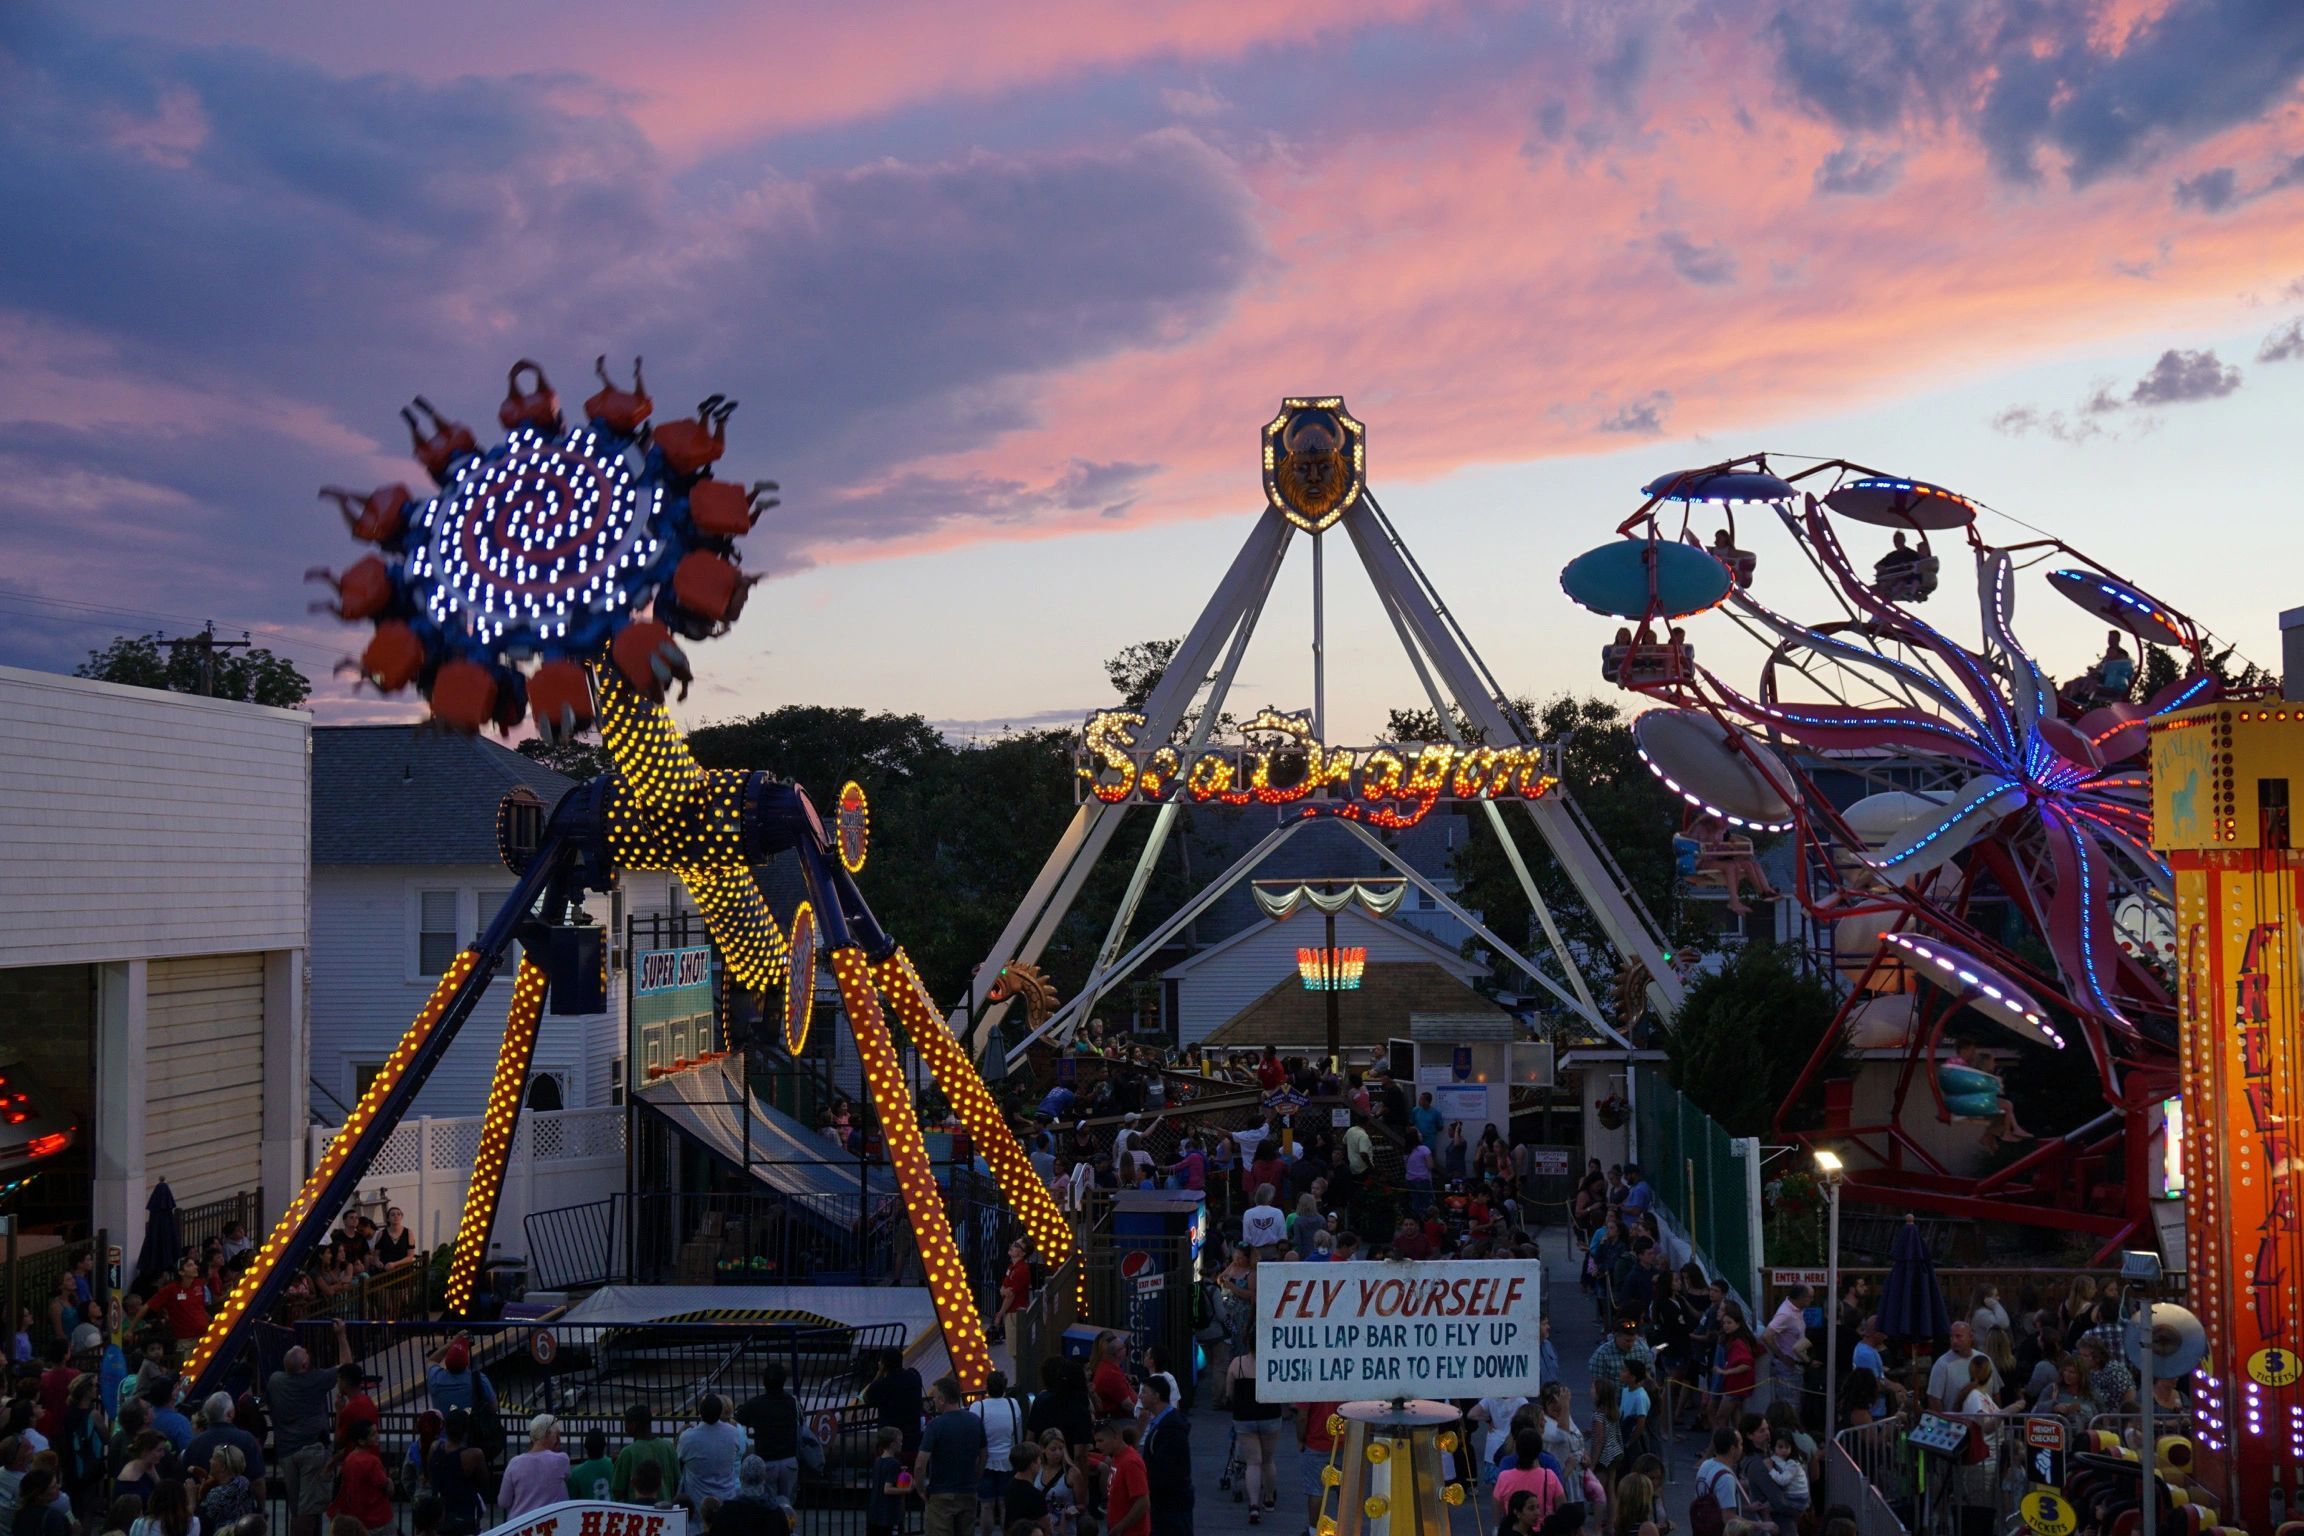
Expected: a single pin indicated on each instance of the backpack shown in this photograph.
(1705, 1516)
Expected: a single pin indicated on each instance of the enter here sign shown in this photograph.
(1436, 1328)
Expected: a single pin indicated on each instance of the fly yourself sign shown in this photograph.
(1444, 1328)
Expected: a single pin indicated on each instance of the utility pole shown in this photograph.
(1335, 1011)
(207, 645)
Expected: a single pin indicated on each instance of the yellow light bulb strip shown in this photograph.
(964, 1089)
(751, 945)
(646, 746)
(348, 1142)
(915, 1178)
(666, 812)
(499, 1121)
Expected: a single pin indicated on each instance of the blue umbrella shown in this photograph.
(1912, 1303)
(162, 1246)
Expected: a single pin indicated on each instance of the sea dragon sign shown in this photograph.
(1279, 763)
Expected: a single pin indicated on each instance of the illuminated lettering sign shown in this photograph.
(1280, 764)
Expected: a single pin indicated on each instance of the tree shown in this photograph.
(1138, 668)
(579, 760)
(1424, 725)
(252, 676)
(1745, 1034)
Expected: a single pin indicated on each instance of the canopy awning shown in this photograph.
(709, 1104)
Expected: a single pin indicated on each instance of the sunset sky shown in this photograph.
(1006, 289)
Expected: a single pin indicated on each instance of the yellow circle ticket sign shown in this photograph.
(2048, 1513)
(2275, 1367)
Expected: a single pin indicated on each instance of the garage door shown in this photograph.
(204, 1077)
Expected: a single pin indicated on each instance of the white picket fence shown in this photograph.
(560, 1157)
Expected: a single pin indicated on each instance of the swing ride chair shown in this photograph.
(1980, 782)
(548, 576)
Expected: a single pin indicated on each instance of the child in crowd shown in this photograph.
(1789, 1476)
(884, 1509)
(595, 1475)
(1022, 1499)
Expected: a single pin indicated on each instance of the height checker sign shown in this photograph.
(1443, 1328)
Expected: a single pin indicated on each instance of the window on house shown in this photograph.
(544, 1091)
(1425, 902)
(616, 1081)
(485, 905)
(364, 1073)
(435, 931)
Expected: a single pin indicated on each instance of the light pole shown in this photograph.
(1832, 1171)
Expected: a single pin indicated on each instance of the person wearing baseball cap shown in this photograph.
(452, 1383)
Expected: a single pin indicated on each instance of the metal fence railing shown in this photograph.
(195, 1224)
(856, 1237)
(1706, 1181)
(588, 1377)
(1869, 1469)
(1875, 1470)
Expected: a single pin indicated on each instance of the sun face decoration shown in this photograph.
(1315, 462)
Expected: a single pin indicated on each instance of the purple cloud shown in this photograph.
(1642, 417)
(2181, 377)
(2033, 75)
(251, 228)
(1850, 171)
(2284, 345)
(1706, 265)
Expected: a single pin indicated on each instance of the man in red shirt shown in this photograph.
(55, 1382)
(184, 1302)
(1127, 1488)
(1319, 1450)
(1409, 1242)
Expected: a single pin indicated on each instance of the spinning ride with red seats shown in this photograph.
(1976, 778)
(551, 576)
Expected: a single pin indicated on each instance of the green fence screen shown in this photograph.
(1700, 1182)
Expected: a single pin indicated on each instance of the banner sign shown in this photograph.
(667, 970)
(1441, 1328)
(1387, 786)
(594, 1517)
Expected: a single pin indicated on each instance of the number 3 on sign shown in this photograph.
(2276, 1367)
(2047, 1513)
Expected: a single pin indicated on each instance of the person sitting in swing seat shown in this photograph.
(1904, 573)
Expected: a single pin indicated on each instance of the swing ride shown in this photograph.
(1970, 835)
(551, 576)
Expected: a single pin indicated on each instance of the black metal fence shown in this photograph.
(589, 1377)
(850, 1238)
(195, 1224)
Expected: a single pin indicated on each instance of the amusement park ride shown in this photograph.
(1921, 780)
(1316, 484)
(583, 552)
(1975, 779)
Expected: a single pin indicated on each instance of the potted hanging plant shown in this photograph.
(1614, 1111)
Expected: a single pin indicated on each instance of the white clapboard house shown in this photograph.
(153, 934)
(405, 873)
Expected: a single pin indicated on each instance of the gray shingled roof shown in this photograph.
(391, 794)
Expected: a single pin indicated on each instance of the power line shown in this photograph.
(105, 616)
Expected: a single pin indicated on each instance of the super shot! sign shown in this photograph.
(667, 970)
(1445, 1328)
